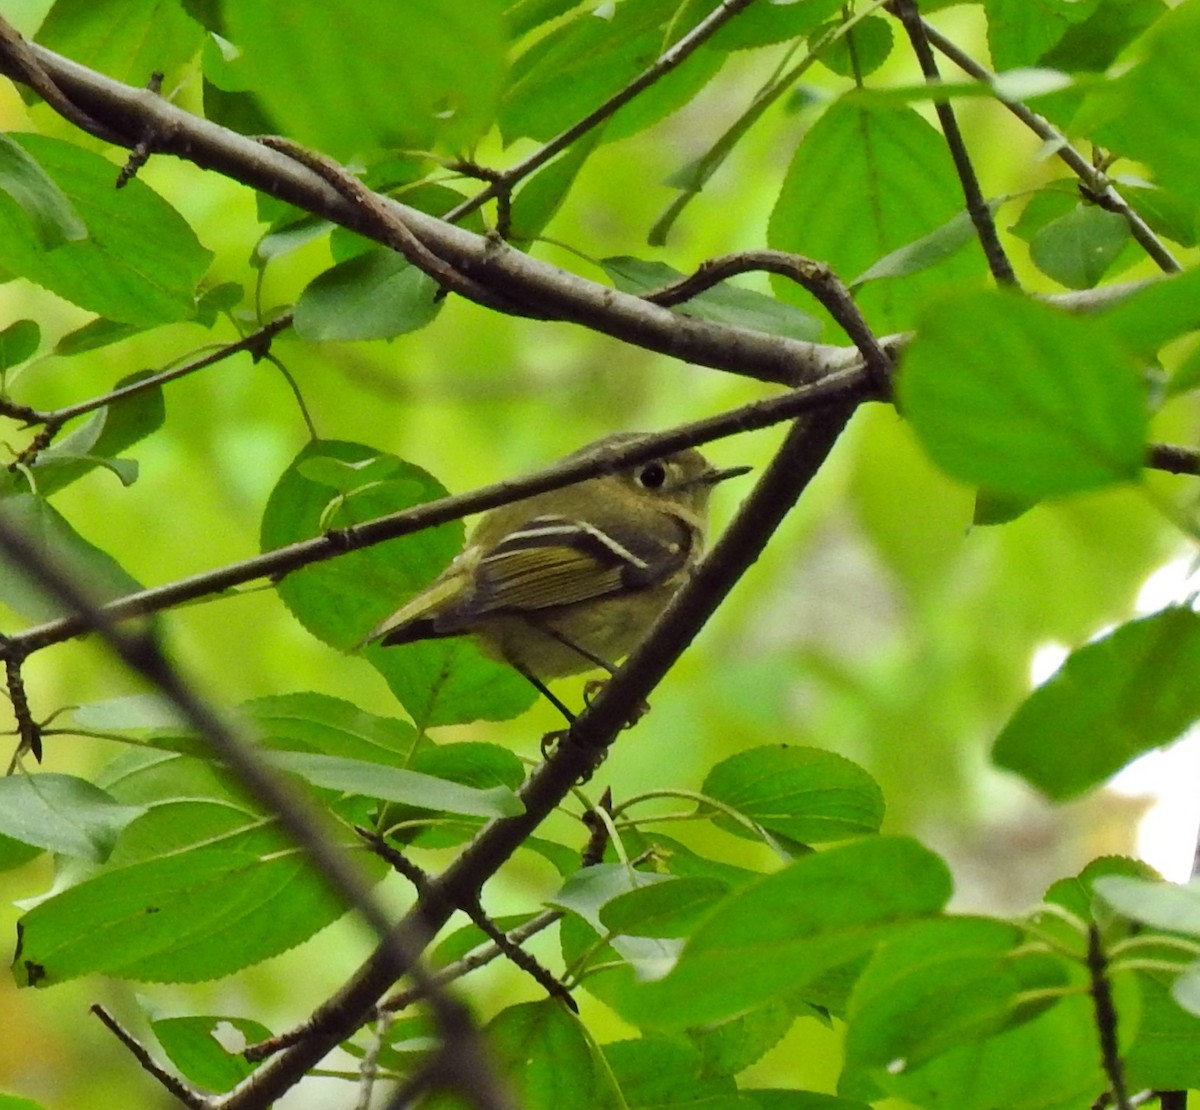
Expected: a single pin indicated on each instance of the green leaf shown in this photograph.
(341, 600)
(729, 1047)
(1165, 1053)
(191, 915)
(51, 217)
(656, 1073)
(1049, 405)
(393, 784)
(1168, 214)
(542, 195)
(764, 24)
(1171, 906)
(15, 1102)
(1020, 33)
(106, 434)
(110, 272)
(1051, 1061)
(376, 295)
(927, 251)
(938, 985)
(567, 73)
(1113, 699)
(805, 794)
(1078, 249)
(311, 722)
(663, 910)
(96, 33)
(769, 1098)
(196, 1046)
(1095, 42)
(860, 51)
(546, 1055)
(339, 80)
(773, 935)
(1145, 110)
(94, 335)
(18, 342)
(1156, 313)
(62, 814)
(723, 304)
(866, 180)
(59, 544)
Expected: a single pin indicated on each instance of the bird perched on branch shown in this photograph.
(572, 579)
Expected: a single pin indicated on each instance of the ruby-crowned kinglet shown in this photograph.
(572, 579)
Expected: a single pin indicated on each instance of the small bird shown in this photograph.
(572, 579)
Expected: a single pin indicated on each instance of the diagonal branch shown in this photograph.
(577, 756)
(1096, 181)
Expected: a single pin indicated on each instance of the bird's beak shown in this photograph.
(712, 477)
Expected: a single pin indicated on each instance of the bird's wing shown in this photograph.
(554, 560)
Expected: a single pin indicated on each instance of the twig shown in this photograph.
(474, 910)
(783, 79)
(186, 1094)
(29, 732)
(140, 154)
(1173, 459)
(1096, 181)
(368, 1068)
(816, 277)
(977, 206)
(669, 60)
(1106, 1018)
(393, 231)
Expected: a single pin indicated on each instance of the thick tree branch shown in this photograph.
(130, 114)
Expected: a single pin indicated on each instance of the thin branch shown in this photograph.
(392, 231)
(669, 60)
(257, 343)
(977, 206)
(1096, 180)
(1106, 1018)
(838, 389)
(29, 732)
(1173, 459)
(175, 1086)
(28, 68)
(702, 170)
(816, 277)
(476, 958)
(474, 910)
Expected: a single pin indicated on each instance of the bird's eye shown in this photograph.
(652, 475)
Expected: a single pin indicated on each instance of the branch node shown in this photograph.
(144, 147)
